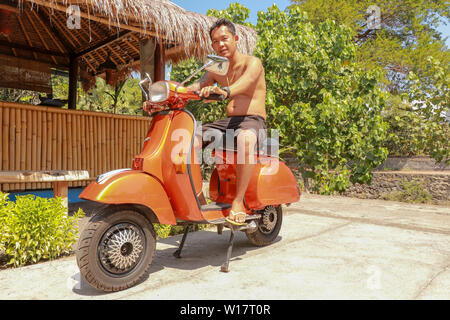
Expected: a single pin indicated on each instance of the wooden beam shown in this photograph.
(9, 8)
(116, 54)
(103, 43)
(132, 46)
(66, 36)
(39, 34)
(51, 31)
(159, 61)
(73, 82)
(12, 49)
(26, 35)
(33, 49)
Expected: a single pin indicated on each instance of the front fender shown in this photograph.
(132, 187)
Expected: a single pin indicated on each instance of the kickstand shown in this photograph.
(225, 265)
(177, 254)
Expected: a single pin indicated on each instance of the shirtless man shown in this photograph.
(245, 87)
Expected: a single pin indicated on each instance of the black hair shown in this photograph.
(223, 22)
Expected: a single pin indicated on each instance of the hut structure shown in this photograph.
(87, 39)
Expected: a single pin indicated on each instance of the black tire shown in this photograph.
(268, 226)
(116, 249)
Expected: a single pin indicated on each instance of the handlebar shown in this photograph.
(212, 96)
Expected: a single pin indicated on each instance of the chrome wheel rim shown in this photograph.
(121, 248)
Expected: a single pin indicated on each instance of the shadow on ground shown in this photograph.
(202, 249)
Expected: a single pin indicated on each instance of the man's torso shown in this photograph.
(252, 102)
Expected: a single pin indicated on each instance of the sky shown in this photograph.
(201, 6)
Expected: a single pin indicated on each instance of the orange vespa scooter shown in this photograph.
(164, 185)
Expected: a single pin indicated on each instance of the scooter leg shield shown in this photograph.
(132, 187)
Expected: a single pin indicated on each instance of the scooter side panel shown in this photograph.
(178, 184)
(153, 146)
(132, 187)
(275, 184)
(272, 183)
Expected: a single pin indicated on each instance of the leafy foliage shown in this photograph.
(406, 35)
(414, 59)
(35, 228)
(325, 107)
(411, 191)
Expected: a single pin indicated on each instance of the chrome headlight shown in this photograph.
(159, 91)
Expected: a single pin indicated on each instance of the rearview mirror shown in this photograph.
(147, 81)
(217, 65)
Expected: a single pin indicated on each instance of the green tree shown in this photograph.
(403, 45)
(406, 35)
(124, 98)
(327, 110)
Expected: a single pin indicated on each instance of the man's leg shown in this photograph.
(246, 142)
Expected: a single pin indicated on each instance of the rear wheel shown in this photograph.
(116, 249)
(268, 227)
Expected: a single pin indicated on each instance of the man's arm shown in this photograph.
(205, 81)
(248, 78)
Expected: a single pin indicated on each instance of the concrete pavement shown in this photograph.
(328, 248)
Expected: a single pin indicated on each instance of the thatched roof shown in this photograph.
(40, 32)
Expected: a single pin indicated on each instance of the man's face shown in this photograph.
(223, 41)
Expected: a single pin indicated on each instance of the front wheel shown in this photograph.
(268, 226)
(116, 249)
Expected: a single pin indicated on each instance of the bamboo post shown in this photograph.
(23, 142)
(54, 141)
(98, 149)
(120, 151)
(92, 148)
(79, 149)
(5, 138)
(59, 140)
(113, 143)
(104, 147)
(78, 139)
(108, 153)
(29, 146)
(38, 154)
(84, 145)
(69, 141)
(12, 141)
(128, 142)
(65, 142)
(34, 144)
(73, 137)
(50, 141)
(44, 142)
(17, 143)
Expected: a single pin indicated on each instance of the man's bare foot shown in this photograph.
(237, 213)
(236, 218)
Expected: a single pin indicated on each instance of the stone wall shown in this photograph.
(395, 184)
(419, 177)
(417, 163)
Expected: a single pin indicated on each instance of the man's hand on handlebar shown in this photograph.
(206, 91)
(150, 108)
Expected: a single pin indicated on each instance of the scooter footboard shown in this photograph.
(132, 187)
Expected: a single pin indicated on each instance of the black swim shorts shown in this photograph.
(228, 129)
